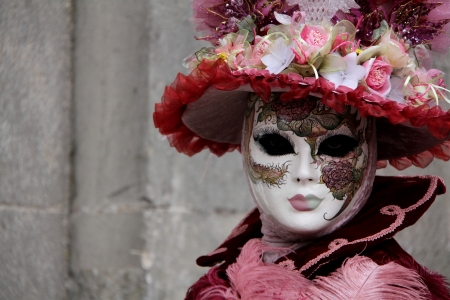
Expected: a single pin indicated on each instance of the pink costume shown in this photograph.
(395, 203)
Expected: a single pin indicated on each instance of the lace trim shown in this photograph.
(319, 10)
(288, 264)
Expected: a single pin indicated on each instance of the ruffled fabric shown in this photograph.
(185, 90)
(216, 74)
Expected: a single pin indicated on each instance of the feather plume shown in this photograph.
(437, 284)
(361, 278)
(251, 278)
(358, 278)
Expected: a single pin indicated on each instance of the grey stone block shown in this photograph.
(175, 238)
(106, 242)
(35, 102)
(111, 92)
(33, 256)
(126, 284)
(201, 183)
(111, 117)
(35, 147)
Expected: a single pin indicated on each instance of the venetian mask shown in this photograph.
(308, 166)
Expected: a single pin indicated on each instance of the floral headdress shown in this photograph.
(374, 55)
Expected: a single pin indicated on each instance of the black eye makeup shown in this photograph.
(337, 145)
(273, 142)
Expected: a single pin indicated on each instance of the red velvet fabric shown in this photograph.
(395, 203)
(217, 74)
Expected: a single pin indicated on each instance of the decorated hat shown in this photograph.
(372, 55)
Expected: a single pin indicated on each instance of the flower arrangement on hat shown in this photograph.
(373, 55)
(388, 67)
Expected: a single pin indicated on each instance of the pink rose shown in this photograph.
(378, 73)
(315, 36)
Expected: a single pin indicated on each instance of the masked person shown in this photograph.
(317, 95)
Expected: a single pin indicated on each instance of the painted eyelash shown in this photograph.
(270, 130)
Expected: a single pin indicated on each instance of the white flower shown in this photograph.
(348, 77)
(297, 18)
(283, 19)
(396, 92)
(279, 57)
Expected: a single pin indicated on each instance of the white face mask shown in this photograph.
(305, 162)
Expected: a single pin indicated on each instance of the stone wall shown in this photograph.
(94, 204)
(35, 147)
(111, 115)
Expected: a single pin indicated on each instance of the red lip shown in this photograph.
(299, 203)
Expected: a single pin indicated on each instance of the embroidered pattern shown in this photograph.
(391, 210)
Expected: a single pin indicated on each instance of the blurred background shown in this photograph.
(94, 204)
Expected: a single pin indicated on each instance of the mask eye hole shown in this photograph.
(274, 144)
(337, 146)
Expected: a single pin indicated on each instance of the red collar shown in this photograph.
(395, 203)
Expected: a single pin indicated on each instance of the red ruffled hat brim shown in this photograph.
(433, 123)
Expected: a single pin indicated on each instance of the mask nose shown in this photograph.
(305, 171)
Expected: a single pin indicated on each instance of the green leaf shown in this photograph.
(356, 174)
(377, 33)
(304, 70)
(283, 126)
(328, 121)
(251, 105)
(301, 128)
(339, 194)
(290, 70)
(265, 114)
(333, 63)
(317, 61)
(312, 142)
(248, 24)
(360, 151)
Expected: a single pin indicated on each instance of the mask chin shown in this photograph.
(288, 225)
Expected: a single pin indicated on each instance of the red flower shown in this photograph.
(293, 110)
(337, 175)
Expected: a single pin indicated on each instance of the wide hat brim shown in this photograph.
(205, 110)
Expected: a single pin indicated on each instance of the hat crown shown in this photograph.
(318, 11)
